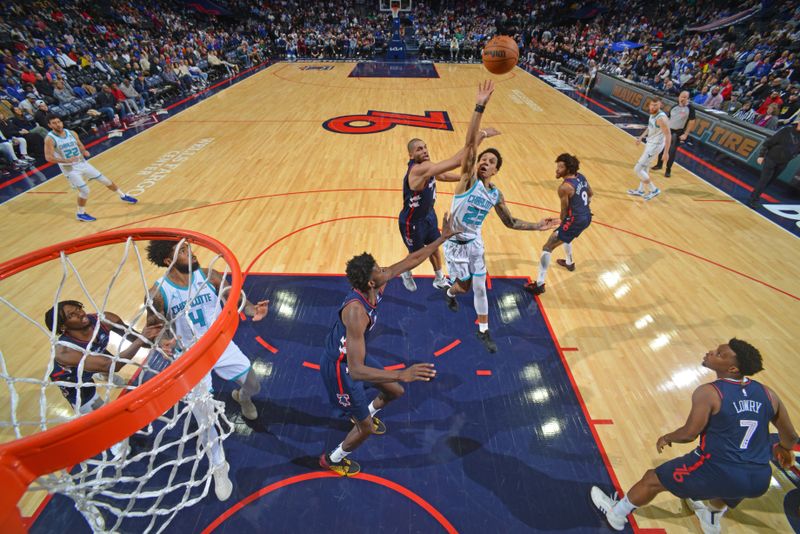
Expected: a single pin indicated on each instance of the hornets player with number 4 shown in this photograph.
(732, 461)
(475, 195)
(64, 147)
(191, 300)
(575, 194)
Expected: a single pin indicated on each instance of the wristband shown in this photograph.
(479, 108)
(484, 134)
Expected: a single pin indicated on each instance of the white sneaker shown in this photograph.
(441, 283)
(710, 520)
(636, 192)
(652, 194)
(223, 487)
(249, 410)
(605, 503)
(408, 281)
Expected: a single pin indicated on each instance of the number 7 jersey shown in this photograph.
(471, 208)
(200, 300)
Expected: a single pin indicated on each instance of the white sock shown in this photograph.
(544, 263)
(121, 193)
(568, 253)
(372, 409)
(624, 507)
(652, 186)
(338, 454)
(81, 210)
(483, 327)
(438, 274)
(449, 294)
(642, 186)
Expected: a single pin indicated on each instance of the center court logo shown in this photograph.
(380, 121)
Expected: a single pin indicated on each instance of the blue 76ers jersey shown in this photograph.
(417, 204)
(336, 344)
(62, 373)
(739, 432)
(579, 203)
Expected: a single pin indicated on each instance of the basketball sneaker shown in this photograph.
(378, 427)
(345, 468)
(652, 194)
(248, 408)
(605, 503)
(656, 167)
(567, 266)
(534, 288)
(441, 283)
(636, 192)
(85, 217)
(408, 281)
(129, 199)
(223, 487)
(488, 342)
(452, 303)
(709, 518)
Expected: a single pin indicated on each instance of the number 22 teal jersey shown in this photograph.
(201, 299)
(65, 147)
(471, 208)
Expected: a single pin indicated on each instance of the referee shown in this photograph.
(681, 122)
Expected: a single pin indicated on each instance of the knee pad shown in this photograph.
(83, 191)
(480, 299)
(103, 180)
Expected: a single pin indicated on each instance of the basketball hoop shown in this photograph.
(395, 9)
(159, 404)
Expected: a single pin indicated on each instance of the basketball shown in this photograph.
(500, 54)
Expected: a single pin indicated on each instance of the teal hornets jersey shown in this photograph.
(471, 208)
(191, 309)
(65, 147)
(654, 134)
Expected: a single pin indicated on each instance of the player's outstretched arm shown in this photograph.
(485, 91)
(417, 257)
(441, 170)
(704, 399)
(518, 224)
(257, 311)
(356, 322)
(787, 436)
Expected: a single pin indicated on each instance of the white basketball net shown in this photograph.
(141, 483)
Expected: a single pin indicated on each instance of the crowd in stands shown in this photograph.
(749, 70)
(98, 64)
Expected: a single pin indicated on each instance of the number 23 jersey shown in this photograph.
(471, 208)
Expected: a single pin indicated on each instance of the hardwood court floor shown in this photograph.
(657, 283)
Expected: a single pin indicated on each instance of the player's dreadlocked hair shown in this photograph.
(747, 357)
(497, 155)
(570, 162)
(56, 313)
(359, 271)
(158, 251)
